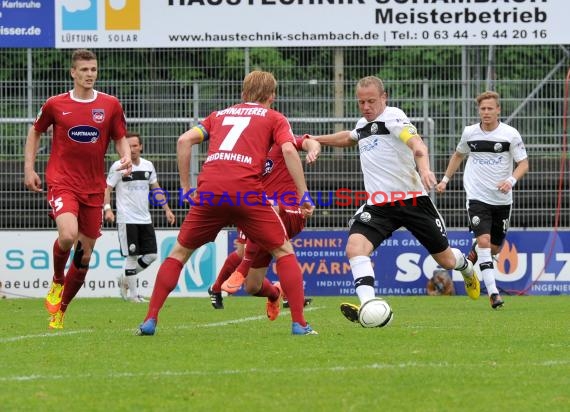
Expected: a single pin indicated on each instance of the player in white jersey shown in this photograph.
(134, 223)
(491, 148)
(395, 165)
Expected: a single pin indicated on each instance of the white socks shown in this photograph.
(363, 275)
(132, 283)
(487, 269)
(130, 268)
(462, 264)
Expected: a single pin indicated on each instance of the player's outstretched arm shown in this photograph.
(338, 139)
(313, 149)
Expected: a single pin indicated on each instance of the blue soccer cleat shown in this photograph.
(297, 329)
(147, 328)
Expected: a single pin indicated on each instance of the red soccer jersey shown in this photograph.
(240, 137)
(82, 130)
(277, 180)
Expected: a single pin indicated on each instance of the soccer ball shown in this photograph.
(375, 313)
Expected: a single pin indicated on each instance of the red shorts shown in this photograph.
(88, 208)
(294, 222)
(259, 223)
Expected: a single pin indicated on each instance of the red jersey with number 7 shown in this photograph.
(82, 130)
(240, 138)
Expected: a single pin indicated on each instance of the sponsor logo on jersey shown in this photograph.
(489, 162)
(268, 167)
(83, 134)
(98, 115)
(368, 146)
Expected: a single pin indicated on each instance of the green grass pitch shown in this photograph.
(439, 354)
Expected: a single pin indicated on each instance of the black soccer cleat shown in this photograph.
(496, 301)
(308, 301)
(350, 311)
(216, 299)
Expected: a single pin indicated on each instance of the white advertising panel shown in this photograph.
(26, 266)
(287, 23)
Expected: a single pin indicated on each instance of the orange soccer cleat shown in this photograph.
(274, 306)
(53, 298)
(233, 283)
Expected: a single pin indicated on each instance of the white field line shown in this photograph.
(44, 335)
(234, 321)
(54, 333)
(265, 371)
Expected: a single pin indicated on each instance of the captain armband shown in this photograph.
(408, 132)
(202, 131)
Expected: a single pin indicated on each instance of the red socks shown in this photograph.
(59, 260)
(73, 282)
(268, 290)
(166, 281)
(251, 251)
(291, 279)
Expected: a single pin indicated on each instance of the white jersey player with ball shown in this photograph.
(397, 175)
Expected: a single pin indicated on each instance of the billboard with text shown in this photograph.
(279, 23)
(531, 262)
(26, 266)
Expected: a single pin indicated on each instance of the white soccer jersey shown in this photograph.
(490, 161)
(132, 191)
(387, 163)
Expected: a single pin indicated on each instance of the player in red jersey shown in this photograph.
(230, 191)
(280, 189)
(84, 121)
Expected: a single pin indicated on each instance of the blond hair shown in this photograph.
(487, 95)
(258, 86)
(371, 81)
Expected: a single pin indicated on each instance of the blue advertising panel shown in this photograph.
(531, 262)
(27, 23)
